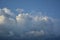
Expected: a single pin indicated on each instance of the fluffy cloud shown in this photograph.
(7, 21)
(27, 23)
(6, 12)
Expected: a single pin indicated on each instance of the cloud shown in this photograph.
(7, 12)
(31, 34)
(7, 21)
(35, 33)
(2, 18)
(27, 24)
(19, 10)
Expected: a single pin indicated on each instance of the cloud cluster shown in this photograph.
(27, 23)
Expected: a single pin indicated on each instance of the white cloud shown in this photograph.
(25, 22)
(6, 12)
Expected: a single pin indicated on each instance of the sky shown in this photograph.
(49, 7)
(29, 18)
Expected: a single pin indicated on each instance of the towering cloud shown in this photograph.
(27, 24)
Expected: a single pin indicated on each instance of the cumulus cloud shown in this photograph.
(27, 24)
(6, 12)
(7, 21)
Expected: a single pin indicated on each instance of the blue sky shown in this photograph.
(50, 7)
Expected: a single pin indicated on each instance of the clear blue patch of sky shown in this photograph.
(51, 7)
